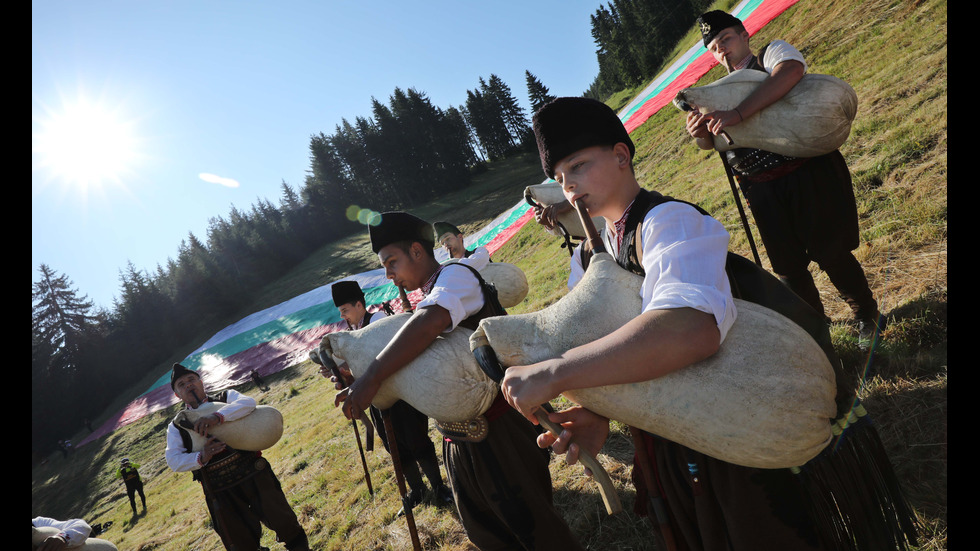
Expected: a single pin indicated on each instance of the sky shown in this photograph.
(148, 119)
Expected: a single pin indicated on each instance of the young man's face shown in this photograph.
(352, 313)
(190, 389)
(730, 47)
(405, 269)
(453, 243)
(591, 174)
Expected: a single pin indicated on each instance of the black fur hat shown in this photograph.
(178, 372)
(713, 22)
(566, 125)
(442, 228)
(346, 292)
(400, 226)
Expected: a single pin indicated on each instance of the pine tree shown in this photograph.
(537, 93)
(486, 111)
(511, 112)
(61, 320)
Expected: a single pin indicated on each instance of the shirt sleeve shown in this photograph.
(238, 406)
(458, 291)
(478, 260)
(780, 51)
(684, 256)
(178, 459)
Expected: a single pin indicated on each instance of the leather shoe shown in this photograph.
(412, 499)
(444, 494)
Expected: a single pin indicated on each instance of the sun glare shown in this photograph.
(85, 144)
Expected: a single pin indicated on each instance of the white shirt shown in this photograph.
(684, 255)
(458, 291)
(75, 530)
(375, 316)
(179, 460)
(478, 260)
(778, 52)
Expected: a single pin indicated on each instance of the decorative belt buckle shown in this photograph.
(473, 430)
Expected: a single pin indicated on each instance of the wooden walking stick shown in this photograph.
(400, 479)
(741, 211)
(332, 366)
(685, 106)
(396, 458)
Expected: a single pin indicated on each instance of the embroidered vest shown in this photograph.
(491, 304)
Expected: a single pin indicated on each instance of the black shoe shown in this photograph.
(869, 331)
(411, 500)
(444, 495)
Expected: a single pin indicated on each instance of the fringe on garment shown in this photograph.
(855, 500)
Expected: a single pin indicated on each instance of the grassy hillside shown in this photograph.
(894, 54)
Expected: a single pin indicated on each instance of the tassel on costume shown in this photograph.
(855, 499)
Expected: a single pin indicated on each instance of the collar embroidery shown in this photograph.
(427, 288)
(744, 63)
(620, 225)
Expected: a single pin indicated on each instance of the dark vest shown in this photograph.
(491, 304)
(130, 476)
(228, 467)
(748, 281)
(185, 435)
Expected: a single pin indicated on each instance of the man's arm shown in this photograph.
(180, 460)
(651, 345)
(548, 215)
(237, 406)
(686, 311)
(783, 78)
(411, 340)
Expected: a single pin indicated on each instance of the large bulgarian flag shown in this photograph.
(694, 63)
(282, 336)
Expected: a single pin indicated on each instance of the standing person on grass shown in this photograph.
(411, 426)
(240, 489)
(501, 484)
(804, 208)
(131, 477)
(687, 309)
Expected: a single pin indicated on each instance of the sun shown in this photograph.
(85, 144)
